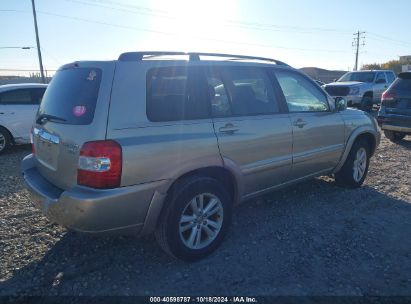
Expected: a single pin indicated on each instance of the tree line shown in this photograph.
(394, 65)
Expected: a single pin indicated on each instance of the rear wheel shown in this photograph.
(5, 140)
(195, 218)
(394, 136)
(355, 168)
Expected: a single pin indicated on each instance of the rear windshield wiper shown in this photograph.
(42, 118)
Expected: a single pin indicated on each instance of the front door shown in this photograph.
(318, 132)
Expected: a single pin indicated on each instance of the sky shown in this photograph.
(301, 33)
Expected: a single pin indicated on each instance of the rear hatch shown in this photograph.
(73, 110)
(397, 99)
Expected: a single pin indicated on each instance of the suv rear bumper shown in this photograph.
(396, 128)
(131, 209)
(394, 122)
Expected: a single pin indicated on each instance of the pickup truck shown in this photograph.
(361, 89)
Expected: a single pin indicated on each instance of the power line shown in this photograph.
(192, 36)
(174, 34)
(233, 23)
(388, 38)
(17, 47)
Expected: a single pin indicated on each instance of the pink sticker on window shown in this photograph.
(79, 111)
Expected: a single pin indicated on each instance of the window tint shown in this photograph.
(390, 77)
(380, 76)
(301, 95)
(72, 95)
(249, 90)
(176, 93)
(22, 96)
(402, 85)
(37, 95)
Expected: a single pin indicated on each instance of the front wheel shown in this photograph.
(355, 168)
(5, 140)
(394, 136)
(195, 218)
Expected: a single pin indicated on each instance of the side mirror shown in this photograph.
(378, 81)
(340, 104)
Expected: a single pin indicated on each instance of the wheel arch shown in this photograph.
(220, 173)
(9, 132)
(368, 94)
(368, 134)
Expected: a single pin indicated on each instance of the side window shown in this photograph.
(176, 93)
(16, 97)
(390, 77)
(300, 94)
(241, 91)
(380, 77)
(220, 104)
(37, 95)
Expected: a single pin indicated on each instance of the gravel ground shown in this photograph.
(311, 239)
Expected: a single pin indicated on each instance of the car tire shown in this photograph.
(355, 169)
(5, 140)
(394, 136)
(189, 234)
(366, 104)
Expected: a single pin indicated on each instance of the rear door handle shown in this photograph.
(300, 123)
(229, 129)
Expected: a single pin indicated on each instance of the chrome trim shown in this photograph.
(45, 136)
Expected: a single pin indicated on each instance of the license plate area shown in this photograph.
(47, 148)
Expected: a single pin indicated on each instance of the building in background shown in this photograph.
(406, 63)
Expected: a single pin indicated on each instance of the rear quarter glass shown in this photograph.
(72, 95)
(402, 84)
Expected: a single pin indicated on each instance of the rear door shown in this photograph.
(254, 133)
(318, 132)
(73, 111)
(18, 108)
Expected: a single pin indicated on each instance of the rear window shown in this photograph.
(72, 95)
(402, 84)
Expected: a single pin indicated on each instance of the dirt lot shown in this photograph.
(312, 239)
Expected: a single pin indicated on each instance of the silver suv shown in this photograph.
(361, 89)
(169, 142)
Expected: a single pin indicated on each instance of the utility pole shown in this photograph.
(38, 42)
(356, 43)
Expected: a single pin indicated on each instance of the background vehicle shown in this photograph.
(361, 89)
(18, 107)
(394, 115)
(171, 146)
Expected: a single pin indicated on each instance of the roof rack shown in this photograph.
(138, 56)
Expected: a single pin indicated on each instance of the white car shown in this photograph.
(18, 108)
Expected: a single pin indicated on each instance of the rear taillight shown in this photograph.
(387, 96)
(100, 164)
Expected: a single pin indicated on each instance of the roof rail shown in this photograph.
(193, 56)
